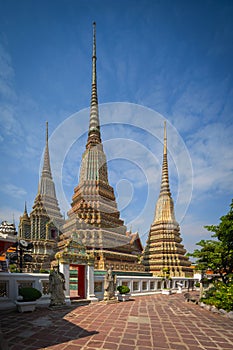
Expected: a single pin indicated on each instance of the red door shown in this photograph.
(81, 281)
(77, 281)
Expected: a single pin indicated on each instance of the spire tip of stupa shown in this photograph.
(94, 40)
(47, 131)
(94, 127)
(165, 139)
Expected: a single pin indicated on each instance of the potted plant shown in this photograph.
(27, 299)
(123, 293)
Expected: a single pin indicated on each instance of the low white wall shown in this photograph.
(140, 285)
(10, 283)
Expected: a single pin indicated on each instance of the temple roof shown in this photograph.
(7, 229)
(7, 236)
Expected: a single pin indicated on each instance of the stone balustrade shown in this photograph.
(139, 285)
(144, 285)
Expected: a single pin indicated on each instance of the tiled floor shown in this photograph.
(151, 322)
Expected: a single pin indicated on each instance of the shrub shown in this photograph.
(44, 271)
(220, 295)
(13, 268)
(123, 289)
(29, 293)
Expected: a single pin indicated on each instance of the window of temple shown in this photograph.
(152, 285)
(53, 233)
(135, 285)
(4, 289)
(45, 286)
(98, 287)
(144, 285)
(125, 283)
(24, 284)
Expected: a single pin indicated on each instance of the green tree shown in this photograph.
(224, 231)
(217, 254)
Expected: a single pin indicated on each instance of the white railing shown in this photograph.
(139, 285)
(11, 282)
(147, 285)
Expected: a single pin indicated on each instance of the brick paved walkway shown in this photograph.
(151, 322)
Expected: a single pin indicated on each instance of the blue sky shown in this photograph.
(156, 61)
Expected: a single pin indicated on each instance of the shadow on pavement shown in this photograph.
(39, 329)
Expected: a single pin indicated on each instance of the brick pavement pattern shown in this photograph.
(157, 322)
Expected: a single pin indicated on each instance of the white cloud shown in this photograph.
(13, 191)
(192, 231)
(211, 152)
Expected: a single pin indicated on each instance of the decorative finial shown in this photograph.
(46, 166)
(165, 139)
(47, 132)
(25, 208)
(165, 178)
(94, 40)
(94, 127)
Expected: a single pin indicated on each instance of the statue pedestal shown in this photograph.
(93, 298)
(57, 307)
(110, 301)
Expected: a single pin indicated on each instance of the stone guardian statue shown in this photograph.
(109, 285)
(57, 287)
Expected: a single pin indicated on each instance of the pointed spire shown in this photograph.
(165, 178)
(46, 185)
(25, 208)
(46, 166)
(94, 127)
(46, 190)
(25, 214)
(47, 133)
(164, 210)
